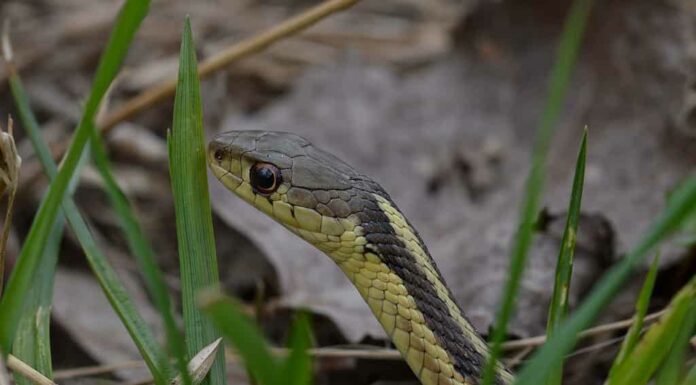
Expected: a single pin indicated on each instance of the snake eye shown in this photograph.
(219, 154)
(265, 177)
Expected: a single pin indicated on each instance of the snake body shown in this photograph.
(353, 220)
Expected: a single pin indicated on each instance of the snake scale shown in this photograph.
(353, 220)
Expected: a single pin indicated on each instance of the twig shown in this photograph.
(619, 325)
(97, 369)
(4, 376)
(597, 346)
(519, 357)
(33, 375)
(224, 58)
(525, 345)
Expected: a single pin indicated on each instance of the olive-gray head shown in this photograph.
(311, 192)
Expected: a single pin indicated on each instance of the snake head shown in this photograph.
(287, 178)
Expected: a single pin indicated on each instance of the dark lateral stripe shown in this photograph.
(379, 233)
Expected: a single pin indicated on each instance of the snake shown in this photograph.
(352, 219)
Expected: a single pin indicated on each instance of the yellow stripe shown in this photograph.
(407, 235)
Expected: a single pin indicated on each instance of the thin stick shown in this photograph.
(365, 353)
(619, 325)
(224, 58)
(97, 369)
(4, 375)
(519, 357)
(33, 375)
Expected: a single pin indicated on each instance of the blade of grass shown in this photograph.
(11, 304)
(32, 342)
(682, 204)
(690, 377)
(633, 334)
(560, 78)
(297, 367)
(671, 370)
(194, 222)
(144, 254)
(640, 365)
(245, 336)
(564, 265)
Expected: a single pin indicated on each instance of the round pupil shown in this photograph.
(264, 178)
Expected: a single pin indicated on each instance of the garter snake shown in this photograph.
(353, 220)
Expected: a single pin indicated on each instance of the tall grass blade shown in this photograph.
(11, 304)
(641, 364)
(682, 204)
(672, 369)
(194, 223)
(245, 337)
(560, 78)
(145, 256)
(564, 265)
(297, 367)
(633, 334)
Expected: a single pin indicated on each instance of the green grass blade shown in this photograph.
(11, 304)
(564, 265)
(32, 342)
(687, 233)
(641, 364)
(297, 367)
(633, 334)
(671, 370)
(194, 223)
(682, 204)
(113, 289)
(245, 337)
(145, 256)
(560, 78)
(690, 377)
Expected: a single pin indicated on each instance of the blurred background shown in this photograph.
(438, 100)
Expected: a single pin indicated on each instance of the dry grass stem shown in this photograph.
(33, 375)
(4, 376)
(519, 357)
(525, 346)
(6, 46)
(613, 326)
(228, 56)
(95, 370)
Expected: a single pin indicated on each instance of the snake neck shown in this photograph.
(389, 264)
